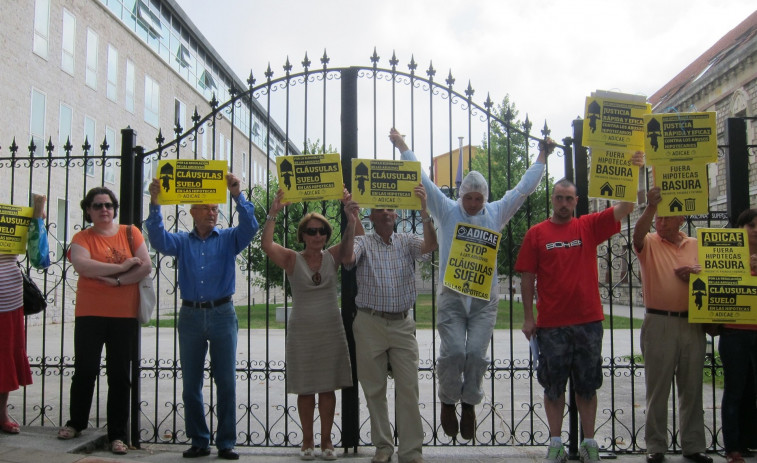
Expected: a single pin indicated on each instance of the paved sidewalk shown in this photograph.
(39, 445)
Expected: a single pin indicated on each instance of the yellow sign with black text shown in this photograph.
(472, 261)
(310, 177)
(386, 184)
(614, 122)
(725, 291)
(192, 181)
(681, 138)
(683, 188)
(14, 228)
(612, 176)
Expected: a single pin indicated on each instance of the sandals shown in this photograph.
(307, 454)
(118, 447)
(10, 427)
(67, 432)
(328, 454)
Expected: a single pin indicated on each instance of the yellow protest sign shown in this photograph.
(723, 250)
(14, 228)
(386, 184)
(725, 291)
(684, 189)
(614, 122)
(192, 181)
(612, 176)
(472, 261)
(722, 299)
(310, 177)
(681, 138)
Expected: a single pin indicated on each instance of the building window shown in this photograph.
(65, 119)
(37, 123)
(206, 81)
(183, 57)
(110, 171)
(244, 166)
(89, 136)
(41, 27)
(90, 76)
(111, 90)
(179, 114)
(148, 19)
(68, 45)
(152, 102)
(129, 101)
(205, 143)
(62, 227)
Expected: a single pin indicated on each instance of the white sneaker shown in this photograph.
(556, 454)
(589, 453)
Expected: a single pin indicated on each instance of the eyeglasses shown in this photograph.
(98, 206)
(313, 231)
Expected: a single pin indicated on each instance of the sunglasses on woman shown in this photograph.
(313, 231)
(98, 206)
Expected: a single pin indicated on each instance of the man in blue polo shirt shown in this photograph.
(207, 320)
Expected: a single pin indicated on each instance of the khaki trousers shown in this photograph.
(379, 342)
(673, 347)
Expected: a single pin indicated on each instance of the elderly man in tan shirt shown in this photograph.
(670, 344)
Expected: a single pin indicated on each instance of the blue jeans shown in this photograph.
(738, 352)
(199, 329)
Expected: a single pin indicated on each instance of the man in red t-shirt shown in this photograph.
(561, 254)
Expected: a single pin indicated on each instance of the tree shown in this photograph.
(508, 164)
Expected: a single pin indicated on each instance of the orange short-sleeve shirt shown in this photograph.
(94, 298)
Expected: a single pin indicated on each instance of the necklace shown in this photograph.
(316, 277)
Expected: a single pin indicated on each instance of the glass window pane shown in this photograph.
(91, 72)
(68, 44)
(112, 87)
(37, 123)
(65, 119)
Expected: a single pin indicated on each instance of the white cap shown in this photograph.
(474, 182)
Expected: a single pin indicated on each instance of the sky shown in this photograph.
(547, 55)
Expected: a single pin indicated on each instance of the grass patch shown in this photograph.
(256, 317)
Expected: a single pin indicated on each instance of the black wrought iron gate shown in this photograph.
(370, 101)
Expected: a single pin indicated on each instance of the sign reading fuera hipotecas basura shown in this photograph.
(681, 138)
(310, 177)
(683, 188)
(472, 261)
(614, 122)
(14, 228)
(725, 291)
(723, 250)
(386, 184)
(612, 175)
(192, 181)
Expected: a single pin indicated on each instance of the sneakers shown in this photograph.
(588, 453)
(556, 454)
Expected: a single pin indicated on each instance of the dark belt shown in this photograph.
(386, 315)
(668, 314)
(206, 304)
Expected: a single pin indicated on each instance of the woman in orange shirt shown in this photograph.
(107, 299)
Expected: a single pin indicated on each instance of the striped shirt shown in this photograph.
(386, 272)
(11, 284)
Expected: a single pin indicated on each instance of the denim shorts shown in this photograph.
(570, 351)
